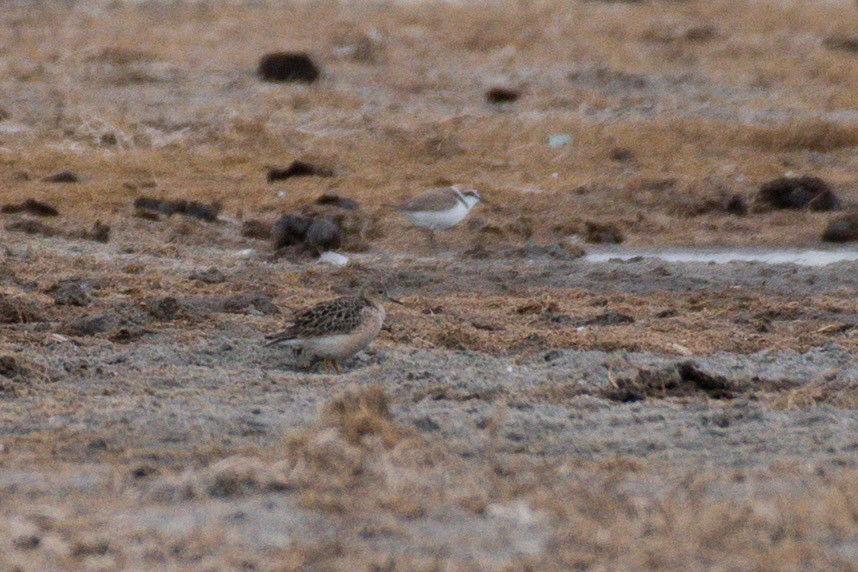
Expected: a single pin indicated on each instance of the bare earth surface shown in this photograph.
(526, 408)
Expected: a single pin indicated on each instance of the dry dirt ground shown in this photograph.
(525, 409)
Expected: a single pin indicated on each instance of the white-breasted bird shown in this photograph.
(439, 208)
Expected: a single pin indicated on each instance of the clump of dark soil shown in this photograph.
(12, 375)
(798, 193)
(680, 380)
(841, 43)
(736, 205)
(62, 177)
(194, 209)
(164, 309)
(98, 232)
(288, 66)
(244, 303)
(499, 95)
(602, 233)
(30, 206)
(842, 229)
(330, 222)
(606, 319)
(93, 324)
(621, 154)
(298, 168)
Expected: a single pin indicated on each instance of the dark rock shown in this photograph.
(736, 205)
(497, 95)
(208, 213)
(337, 201)
(256, 229)
(323, 235)
(288, 66)
(290, 229)
(92, 324)
(210, 276)
(798, 193)
(842, 229)
(62, 177)
(602, 233)
(298, 168)
(31, 206)
(70, 293)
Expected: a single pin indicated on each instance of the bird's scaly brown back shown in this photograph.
(338, 316)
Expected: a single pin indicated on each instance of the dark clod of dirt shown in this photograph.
(298, 168)
(498, 95)
(289, 230)
(288, 66)
(842, 229)
(165, 309)
(602, 233)
(842, 43)
(62, 177)
(606, 319)
(209, 276)
(798, 193)
(32, 227)
(736, 205)
(9, 366)
(323, 235)
(208, 213)
(27, 542)
(31, 206)
(335, 200)
(92, 324)
(70, 293)
(680, 380)
(256, 229)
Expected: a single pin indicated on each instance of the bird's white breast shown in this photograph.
(438, 220)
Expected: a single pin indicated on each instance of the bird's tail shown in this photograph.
(279, 338)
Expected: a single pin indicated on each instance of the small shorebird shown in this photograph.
(336, 329)
(439, 208)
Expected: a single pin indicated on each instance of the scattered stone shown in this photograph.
(797, 193)
(289, 230)
(288, 66)
(323, 235)
(208, 213)
(92, 324)
(736, 205)
(499, 95)
(298, 168)
(842, 229)
(62, 177)
(256, 229)
(602, 233)
(337, 201)
(210, 276)
(70, 293)
(31, 206)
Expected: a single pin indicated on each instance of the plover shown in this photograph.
(336, 329)
(439, 208)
